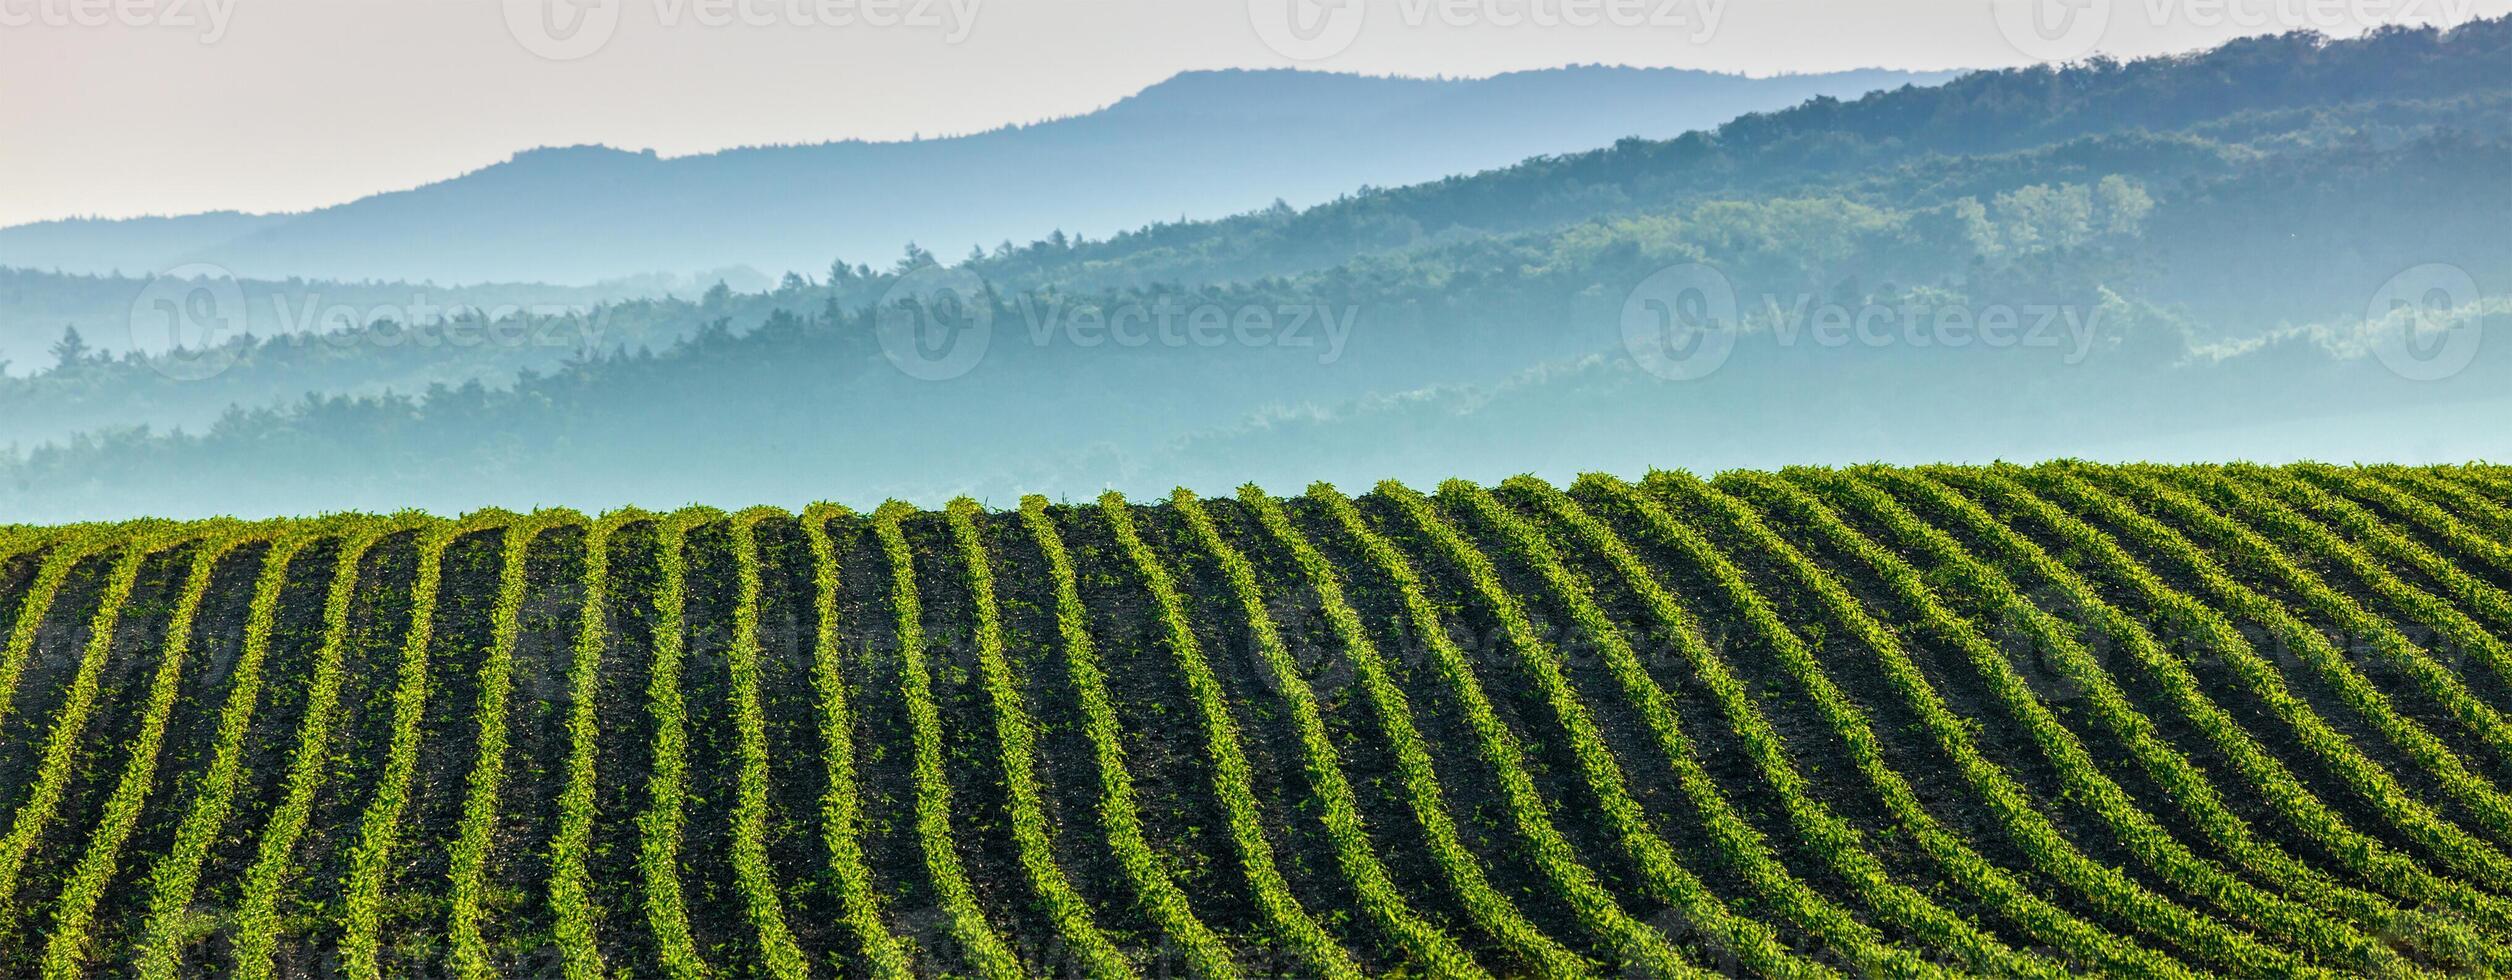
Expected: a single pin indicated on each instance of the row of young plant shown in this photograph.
(753, 876)
(841, 820)
(2265, 522)
(2260, 682)
(667, 785)
(1120, 812)
(1992, 886)
(2375, 549)
(1233, 778)
(575, 917)
(257, 919)
(2456, 538)
(1635, 944)
(2486, 803)
(984, 950)
(169, 922)
(1737, 842)
(1842, 848)
(2327, 940)
(66, 947)
(1491, 912)
(2006, 555)
(1016, 745)
(2119, 895)
(1428, 948)
(34, 814)
(1752, 943)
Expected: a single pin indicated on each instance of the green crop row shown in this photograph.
(1636, 943)
(1845, 853)
(1994, 886)
(1491, 911)
(257, 916)
(1914, 722)
(1162, 901)
(1016, 739)
(1233, 780)
(985, 950)
(73, 915)
(1430, 948)
(2174, 773)
(2081, 779)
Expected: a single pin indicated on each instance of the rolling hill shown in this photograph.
(1202, 144)
(2047, 721)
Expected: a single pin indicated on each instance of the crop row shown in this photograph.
(2118, 720)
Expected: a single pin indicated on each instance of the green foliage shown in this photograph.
(1955, 720)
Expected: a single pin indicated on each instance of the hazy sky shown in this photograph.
(121, 107)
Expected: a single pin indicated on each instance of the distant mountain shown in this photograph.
(1201, 144)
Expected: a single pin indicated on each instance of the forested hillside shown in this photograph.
(2272, 238)
(2048, 721)
(1203, 144)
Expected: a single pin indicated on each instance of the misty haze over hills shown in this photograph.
(1202, 144)
(2286, 246)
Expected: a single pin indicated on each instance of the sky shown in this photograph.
(126, 107)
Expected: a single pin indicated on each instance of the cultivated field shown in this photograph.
(2058, 720)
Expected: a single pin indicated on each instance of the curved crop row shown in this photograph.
(1998, 889)
(575, 919)
(2486, 804)
(1490, 910)
(840, 817)
(1162, 901)
(1016, 739)
(1842, 848)
(2317, 542)
(2260, 772)
(2261, 681)
(2373, 538)
(257, 917)
(2397, 491)
(468, 861)
(379, 827)
(2083, 781)
(175, 878)
(65, 950)
(64, 557)
(1425, 944)
(1751, 942)
(667, 786)
(779, 955)
(2032, 830)
(1640, 946)
(69, 722)
(1233, 780)
(2425, 485)
(986, 951)
(1736, 840)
